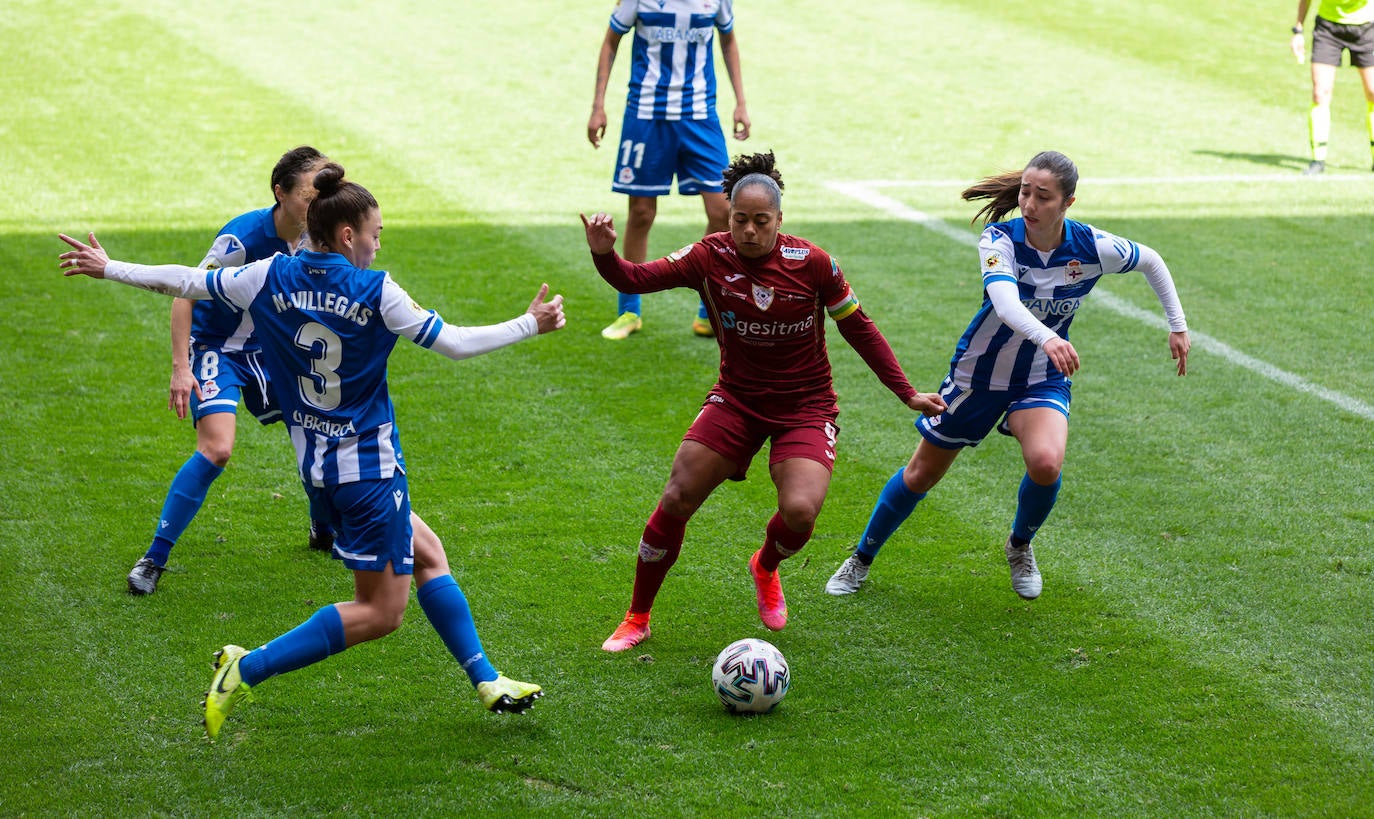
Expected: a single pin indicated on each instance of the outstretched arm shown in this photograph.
(424, 327)
(168, 279)
(628, 277)
(863, 335)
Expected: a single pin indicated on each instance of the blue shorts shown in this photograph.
(971, 414)
(650, 151)
(371, 522)
(225, 379)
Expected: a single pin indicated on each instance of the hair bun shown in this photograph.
(328, 178)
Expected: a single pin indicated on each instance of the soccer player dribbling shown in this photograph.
(328, 324)
(767, 294)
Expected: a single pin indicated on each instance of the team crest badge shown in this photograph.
(1074, 271)
(992, 261)
(627, 175)
(209, 389)
(763, 296)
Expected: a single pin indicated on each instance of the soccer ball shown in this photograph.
(750, 676)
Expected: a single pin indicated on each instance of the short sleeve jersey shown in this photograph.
(326, 329)
(247, 238)
(672, 70)
(1347, 12)
(990, 356)
(769, 316)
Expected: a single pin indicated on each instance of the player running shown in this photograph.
(216, 361)
(767, 294)
(328, 325)
(1011, 367)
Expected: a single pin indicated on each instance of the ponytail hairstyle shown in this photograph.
(754, 170)
(339, 202)
(1004, 189)
(292, 164)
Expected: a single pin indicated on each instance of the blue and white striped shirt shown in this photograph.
(990, 355)
(672, 70)
(317, 314)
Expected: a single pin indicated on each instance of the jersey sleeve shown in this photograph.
(725, 17)
(624, 16)
(685, 268)
(238, 286)
(858, 329)
(227, 251)
(404, 317)
(839, 298)
(997, 254)
(1120, 255)
(1117, 255)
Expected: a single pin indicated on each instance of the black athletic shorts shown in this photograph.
(1330, 39)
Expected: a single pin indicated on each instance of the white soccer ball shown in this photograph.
(750, 676)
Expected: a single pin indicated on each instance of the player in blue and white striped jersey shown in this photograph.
(328, 325)
(1011, 367)
(216, 362)
(670, 125)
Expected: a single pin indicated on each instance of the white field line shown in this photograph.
(864, 192)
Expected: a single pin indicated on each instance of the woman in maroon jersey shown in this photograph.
(767, 294)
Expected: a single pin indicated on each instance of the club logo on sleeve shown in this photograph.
(796, 253)
(763, 296)
(992, 261)
(678, 254)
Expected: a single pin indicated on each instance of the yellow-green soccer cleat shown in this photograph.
(227, 688)
(620, 329)
(506, 696)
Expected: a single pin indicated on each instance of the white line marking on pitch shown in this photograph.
(864, 192)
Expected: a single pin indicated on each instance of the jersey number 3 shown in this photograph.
(321, 388)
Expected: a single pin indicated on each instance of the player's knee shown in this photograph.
(1045, 468)
(799, 516)
(217, 453)
(642, 213)
(381, 620)
(677, 502)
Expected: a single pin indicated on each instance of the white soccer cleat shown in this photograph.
(1025, 576)
(848, 578)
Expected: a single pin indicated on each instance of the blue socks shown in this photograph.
(447, 609)
(1033, 505)
(315, 639)
(184, 499)
(895, 504)
(628, 303)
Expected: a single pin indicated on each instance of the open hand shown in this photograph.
(86, 259)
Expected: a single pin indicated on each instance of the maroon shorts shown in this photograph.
(739, 434)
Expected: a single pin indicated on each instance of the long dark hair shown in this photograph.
(1003, 189)
(339, 202)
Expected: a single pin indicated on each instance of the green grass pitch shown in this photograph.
(1202, 646)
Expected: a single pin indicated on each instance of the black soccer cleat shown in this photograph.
(144, 576)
